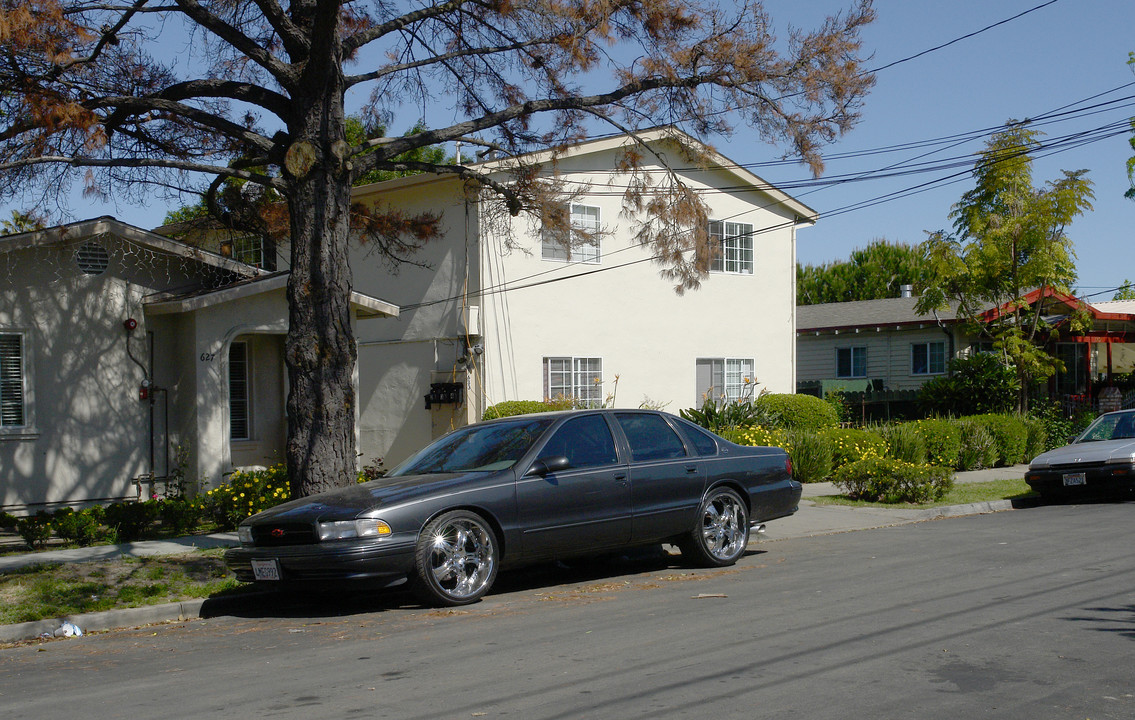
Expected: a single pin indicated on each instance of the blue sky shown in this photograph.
(1048, 59)
(1053, 58)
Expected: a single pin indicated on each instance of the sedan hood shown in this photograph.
(349, 502)
(1088, 452)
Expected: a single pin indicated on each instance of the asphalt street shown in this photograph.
(1022, 614)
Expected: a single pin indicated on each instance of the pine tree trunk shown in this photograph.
(320, 351)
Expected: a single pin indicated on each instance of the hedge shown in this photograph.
(799, 412)
(878, 479)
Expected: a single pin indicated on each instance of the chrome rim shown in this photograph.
(723, 527)
(462, 558)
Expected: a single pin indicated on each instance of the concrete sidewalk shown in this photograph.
(810, 521)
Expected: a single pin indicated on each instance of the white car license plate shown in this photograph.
(1075, 479)
(265, 570)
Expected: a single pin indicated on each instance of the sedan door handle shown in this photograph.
(620, 477)
(692, 469)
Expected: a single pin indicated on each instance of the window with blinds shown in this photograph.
(12, 409)
(238, 392)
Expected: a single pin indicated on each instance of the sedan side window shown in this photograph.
(585, 441)
(650, 437)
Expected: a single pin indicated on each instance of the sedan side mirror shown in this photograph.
(543, 466)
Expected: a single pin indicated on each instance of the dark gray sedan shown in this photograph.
(521, 490)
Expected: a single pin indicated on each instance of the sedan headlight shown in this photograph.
(348, 529)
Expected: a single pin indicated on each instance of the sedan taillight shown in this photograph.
(788, 465)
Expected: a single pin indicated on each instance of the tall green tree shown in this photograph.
(84, 94)
(872, 273)
(1131, 160)
(1008, 239)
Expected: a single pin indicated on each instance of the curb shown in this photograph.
(105, 620)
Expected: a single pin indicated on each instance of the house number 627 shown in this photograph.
(208, 356)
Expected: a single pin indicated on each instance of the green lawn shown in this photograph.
(962, 494)
(52, 590)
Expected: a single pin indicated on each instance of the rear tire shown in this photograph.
(721, 534)
(456, 559)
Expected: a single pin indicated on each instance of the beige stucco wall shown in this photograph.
(628, 315)
(89, 436)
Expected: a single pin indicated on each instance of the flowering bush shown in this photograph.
(880, 479)
(904, 442)
(850, 444)
(757, 435)
(245, 494)
(943, 441)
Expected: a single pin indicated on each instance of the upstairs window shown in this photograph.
(733, 247)
(584, 224)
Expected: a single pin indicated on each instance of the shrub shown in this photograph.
(943, 441)
(757, 436)
(508, 408)
(879, 479)
(1009, 433)
(1037, 439)
(8, 521)
(978, 448)
(980, 383)
(904, 442)
(180, 515)
(1059, 427)
(811, 455)
(728, 415)
(130, 520)
(34, 529)
(851, 444)
(245, 494)
(799, 412)
(81, 527)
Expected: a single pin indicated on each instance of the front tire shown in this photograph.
(721, 534)
(456, 559)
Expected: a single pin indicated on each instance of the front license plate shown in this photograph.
(1075, 479)
(265, 570)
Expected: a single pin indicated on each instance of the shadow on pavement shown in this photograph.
(353, 598)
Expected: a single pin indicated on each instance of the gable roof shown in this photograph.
(366, 306)
(887, 313)
(744, 177)
(110, 225)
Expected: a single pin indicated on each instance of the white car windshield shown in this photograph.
(1110, 427)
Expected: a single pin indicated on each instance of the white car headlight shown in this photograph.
(347, 529)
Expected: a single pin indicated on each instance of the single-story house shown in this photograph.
(126, 356)
(885, 345)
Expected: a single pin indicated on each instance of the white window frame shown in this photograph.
(853, 350)
(240, 402)
(733, 243)
(941, 345)
(18, 365)
(574, 377)
(586, 218)
(728, 378)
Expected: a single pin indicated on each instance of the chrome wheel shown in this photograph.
(722, 532)
(457, 559)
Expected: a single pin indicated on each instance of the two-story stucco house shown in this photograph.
(487, 312)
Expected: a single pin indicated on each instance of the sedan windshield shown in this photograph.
(484, 448)
(1110, 427)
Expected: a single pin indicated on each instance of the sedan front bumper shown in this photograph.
(385, 559)
(1083, 478)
